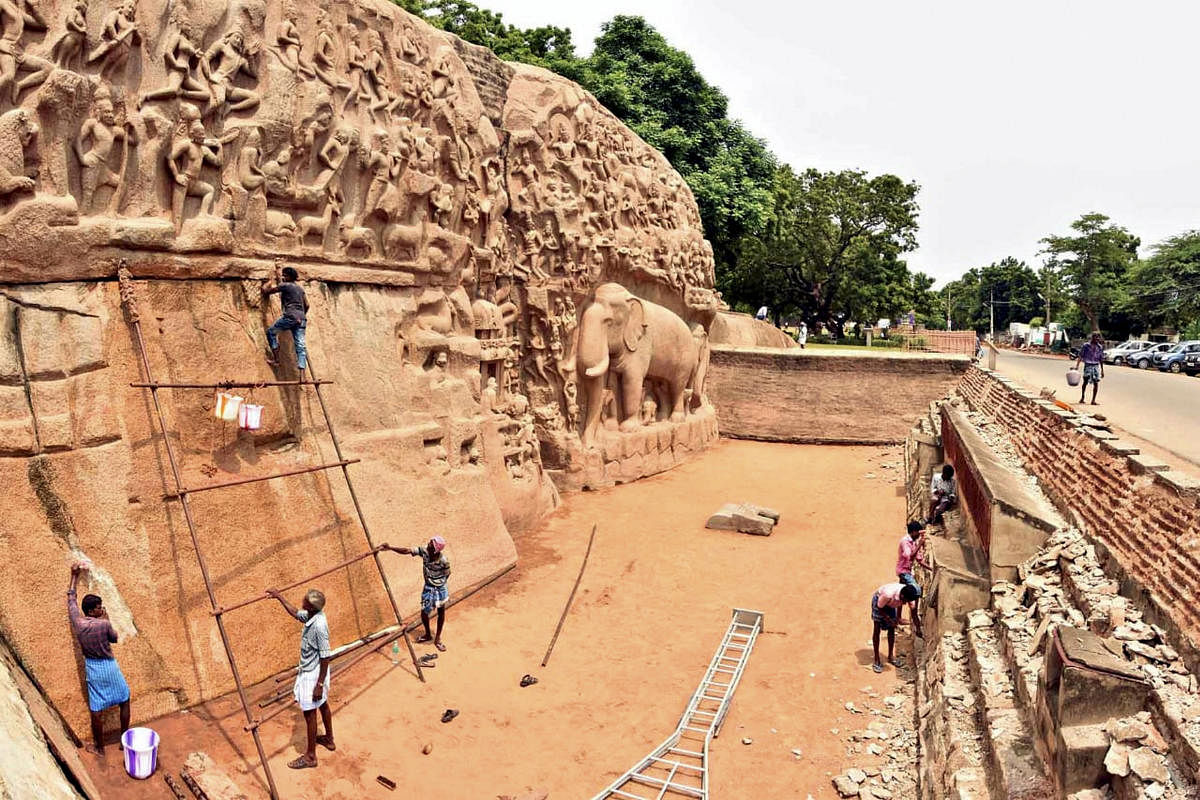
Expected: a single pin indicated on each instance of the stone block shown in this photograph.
(16, 422)
(1119, 447)
(1181, 483)
(1080, 757)
(742, 517)
(1141, 464)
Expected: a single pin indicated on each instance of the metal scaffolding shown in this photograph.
(182, 493)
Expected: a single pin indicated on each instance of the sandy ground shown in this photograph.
(651, 609)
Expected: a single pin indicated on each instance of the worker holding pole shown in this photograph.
(294, 318)
(435, 567)
(311, 689)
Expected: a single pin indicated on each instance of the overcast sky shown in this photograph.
(1015, 118)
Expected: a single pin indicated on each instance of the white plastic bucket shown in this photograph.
(1073, 377)
(141, 752)
(227, 406)
(250, 417)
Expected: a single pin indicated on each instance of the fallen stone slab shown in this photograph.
(744, 518)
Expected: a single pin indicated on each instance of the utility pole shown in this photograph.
(947, 306)
(992, 315)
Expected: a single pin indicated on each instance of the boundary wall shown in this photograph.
(1143, 516)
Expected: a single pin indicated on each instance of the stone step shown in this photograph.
(1016, 770)
(952, 754)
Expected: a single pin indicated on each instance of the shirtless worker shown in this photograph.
(294, 318)
(106, 685)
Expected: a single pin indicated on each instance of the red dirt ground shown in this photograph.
(650, 611)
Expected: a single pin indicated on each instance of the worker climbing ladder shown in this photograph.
(679, 766)
(182, 492)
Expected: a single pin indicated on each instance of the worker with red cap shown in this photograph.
(436, 567)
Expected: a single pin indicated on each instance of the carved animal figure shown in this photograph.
(403, 240)
(631, 339)
(279, 224)
(317, 226)
(17, 132)
(356, 237)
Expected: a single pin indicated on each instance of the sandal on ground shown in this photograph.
(450, 714)
(326, 742)
(303, 762)
(425, 659)
(896, 662)
(877, 667)
(424, 639)
(528, 680)
(441, 647)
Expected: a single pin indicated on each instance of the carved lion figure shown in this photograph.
(17, 131)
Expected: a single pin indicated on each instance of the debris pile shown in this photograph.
(885, 751)
(1137, 754)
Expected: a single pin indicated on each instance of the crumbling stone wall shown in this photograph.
(1141, 513)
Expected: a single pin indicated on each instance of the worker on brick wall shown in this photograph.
(942, 494)
(885, 615)
(106, 685)
(1091, 355)
(910, 551)
(311, 689)
(294, 318)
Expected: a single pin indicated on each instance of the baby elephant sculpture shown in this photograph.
(625, 340)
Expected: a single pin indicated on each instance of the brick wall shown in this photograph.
(806, 396)
(1142, 514)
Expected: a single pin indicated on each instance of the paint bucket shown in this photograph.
(227, 406)
(141, 752)
(1073, 377)
(250, 417)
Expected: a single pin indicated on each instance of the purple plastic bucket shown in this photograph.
(141, 752)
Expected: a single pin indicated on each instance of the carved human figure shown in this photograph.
(374, 76)
(93, 147)
(333, 155)
(251, 179)
(409, 45)
(287, 46)
(441, 203)
(180, 55)
(15, 17)
(325, 53)
(70, 45)
(385, 167)
(566, 156)
(220, 65)
(117, 39)
(190, 151)
(356, 65)
(490, 396)
(632, 339)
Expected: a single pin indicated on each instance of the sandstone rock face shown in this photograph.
(451, 217)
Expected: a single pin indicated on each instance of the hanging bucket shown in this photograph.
(250, 417)
(227, 406)
(141, 752)
(1073, 377)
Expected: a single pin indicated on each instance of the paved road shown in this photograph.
(1161, 408)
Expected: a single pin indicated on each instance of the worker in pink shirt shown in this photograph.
(912, 550)
(885, 615)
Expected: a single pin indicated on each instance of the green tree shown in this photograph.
(831, 250)
(657, 91)
(1094, 264)
(1165, 288)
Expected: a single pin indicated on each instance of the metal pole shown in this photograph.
(130, 300)
(992, 316)
(264, 596)
(222, 385)
(183, 490)
(362, 520)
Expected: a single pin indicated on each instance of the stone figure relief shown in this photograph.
(94, 147)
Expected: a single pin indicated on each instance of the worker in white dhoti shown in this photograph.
(312, 677)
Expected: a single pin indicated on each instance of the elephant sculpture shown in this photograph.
(625, 342)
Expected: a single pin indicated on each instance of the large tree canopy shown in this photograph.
(1165, 288)
(831, 250)
(1008, 288)
(1094, 264)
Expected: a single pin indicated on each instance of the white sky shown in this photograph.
(1015, 117)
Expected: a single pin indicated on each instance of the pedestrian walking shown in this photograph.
(1091, 355)
(294, 318)
(802, 335)
(106, 686)
(311, 689)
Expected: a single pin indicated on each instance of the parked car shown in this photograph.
(1172, 360)
(1144, 359)
(1120, 354)
(1191, 363)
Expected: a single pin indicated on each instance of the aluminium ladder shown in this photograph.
(679, 766)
